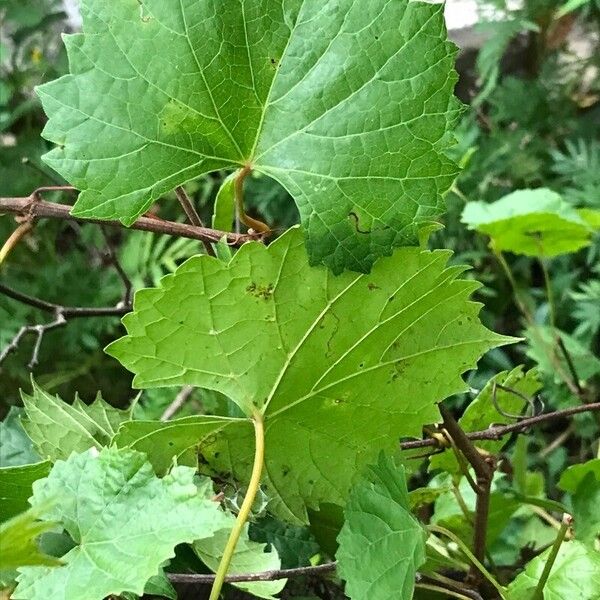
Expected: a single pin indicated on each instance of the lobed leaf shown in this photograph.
(347, 105)
(315, 354)
(15, 446)
(108, 502)
(381, 543)
(57, 429)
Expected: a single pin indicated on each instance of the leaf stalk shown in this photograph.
(238, 526)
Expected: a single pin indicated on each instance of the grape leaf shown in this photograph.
(57, 428)
(15, 446)
(15, 487)
(583, 483)
(108, 502)
(19, 541)
(575, 574)
(347, 105)
(381, 543)
(531, 222)
(312, 352)
(481, 412)
(249, 557)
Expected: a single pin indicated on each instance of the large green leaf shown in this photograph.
(482, 411)
(381, 544)
(583, 483)
(15, 487)
(575, 574)
(19, 537)
(124, 520)
(249, 557)
(312, 352)
(347, 104)
(531, 222)
(58, 428)
(15, 446)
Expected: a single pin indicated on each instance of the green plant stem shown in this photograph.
(254, 224)
(469, 555)
(253, 486)
(549, 293)
(538, 593)
(513, 284)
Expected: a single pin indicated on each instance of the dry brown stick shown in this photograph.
(273, 575)
(484, 472)
(192, 215)
(497, 432)
(30, 205)
(181, 398)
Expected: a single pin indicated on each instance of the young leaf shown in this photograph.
(19, 537)
(312, 352)
(58, 428)
(224, 209)
(249, 557)
(381, 544)
(15, 446)
(15, 487)
(481, 412)
(583, 483)
(124, 520)
(348, 105)
(575, 574)
(531, 222)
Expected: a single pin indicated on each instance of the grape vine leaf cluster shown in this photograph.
(347, 104)
(313, 353)
(108, 502)
(381, 543)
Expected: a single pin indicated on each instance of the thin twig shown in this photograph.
(571, 365)
(68, 312)
(39, 330)
(192, 215)
(273, 575)
(52, 210)
(497, 432)
(484, 471)
(114, 261)
(178, 402)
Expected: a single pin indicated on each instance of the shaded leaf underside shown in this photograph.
(339, 366)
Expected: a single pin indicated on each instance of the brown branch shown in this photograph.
(68, 312)
(192, 215)
(273, 575)
(114, 261)
(61, 316)
(484, 471)
(51, 210)
(181, 398)
(571, 365)
(499, 431)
